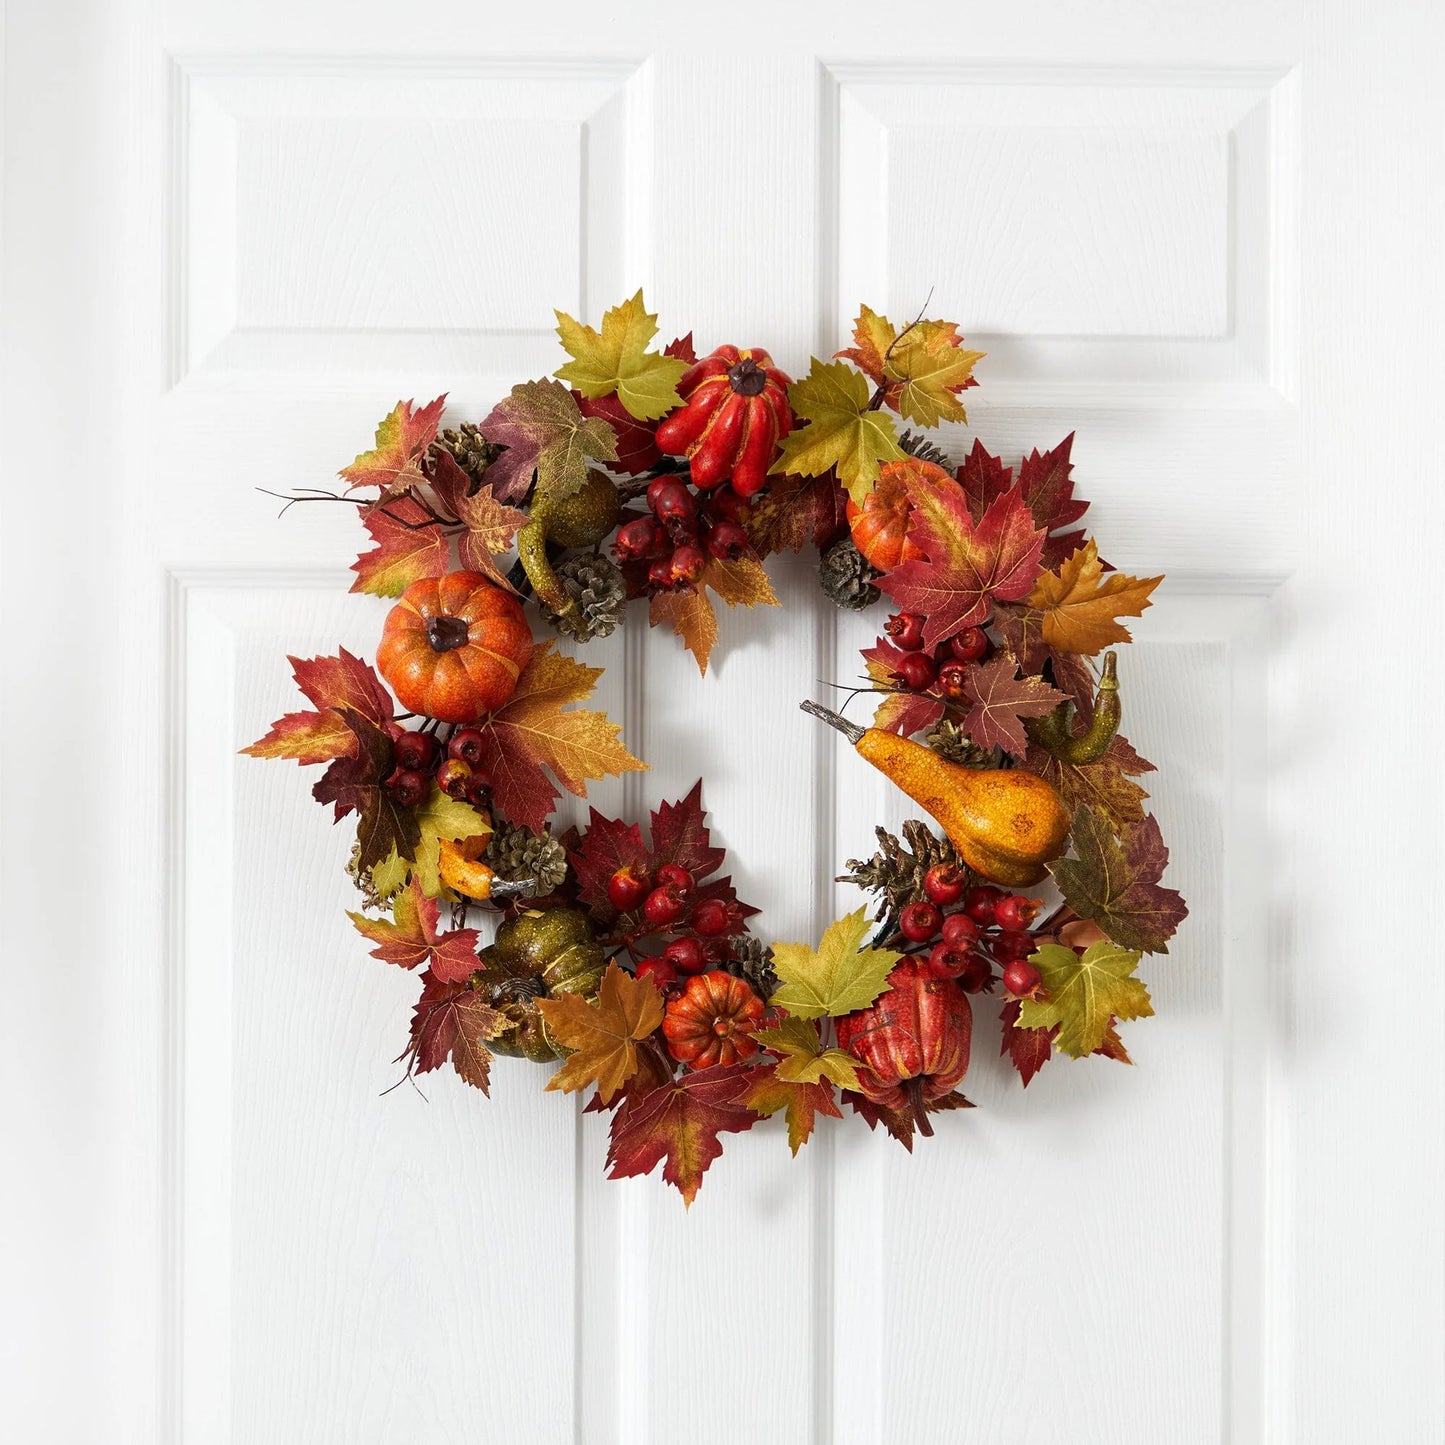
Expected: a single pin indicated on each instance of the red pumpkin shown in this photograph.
(711, 1020)
(454, 646)
(880, 525)
(735, 412)
(913, 1041)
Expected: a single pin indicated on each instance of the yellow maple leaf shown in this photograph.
(603, 1033)
(837, 977)
(1084, 995)
(921, 369)
(842, 429)
(740, 583)
(804, 1059)
(616, 358)
(1079, 605)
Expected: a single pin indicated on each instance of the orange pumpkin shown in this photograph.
(454, 646)
(711, 1020)
(880, 525)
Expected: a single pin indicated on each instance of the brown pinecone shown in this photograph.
(897, 870)
(517, 853)
(755, 963)
(596, 584)
(918, 445)
(952, 744)
(470, 450)
(846, 576)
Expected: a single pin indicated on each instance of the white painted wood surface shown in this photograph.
(1204, 236)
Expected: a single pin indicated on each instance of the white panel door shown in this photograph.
(1202, 236)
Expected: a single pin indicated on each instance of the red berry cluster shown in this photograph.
(988, 927)
(664, 903)
(946, 666)
(459, 773)
(683, 529)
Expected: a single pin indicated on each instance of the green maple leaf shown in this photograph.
(841, 429)
(838, 978)
(1084, 995)
(921, 370)
(616, 359)
(804, 1059)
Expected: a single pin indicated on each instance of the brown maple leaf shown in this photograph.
(1106, 785)
(795, 512)
(741, 583)
(603, 1033)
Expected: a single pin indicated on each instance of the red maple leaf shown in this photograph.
(900, 711)
(681, 347)
(680, 1123)
(636, 440)
(1046, 480)
(410, 546)
(984, 478)
(1027, 1049)
(796, 512)
(452, 1022)
(409, 938)
(1001, 700)
(900, 1123)
(353, 785)
(967, 565)
(680, 835)
(333, 684)
(607, 845)
(402, 439)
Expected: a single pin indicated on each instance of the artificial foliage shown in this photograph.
(622, 956)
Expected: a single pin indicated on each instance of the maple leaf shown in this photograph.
(680, 1123)
(307, 737)
(410, 939)
(967, 565)
(331, 683)
(1028, 1050)
(439, 820)
(637, 450)
(796, 512)
(901, 1123)
(1046, 480)
(1105, 785)
(839, 977)
(921, 370)
(530, 732)
(983, 477)
(452, 1022)
(1001, 700)
(409, 546)
(739, 583)
(603, 1034)
(680, 835)
(490, 526)
(543, 431)
(682, 348)
(1022, 633)
(607, 845)
(402, 439)
(803, 1102)
(1084, 995)
(1115, 881)
(803, 1059)
(354, 784)
(901, 711)
(843, 432)
(1080, 605)
(616, 359)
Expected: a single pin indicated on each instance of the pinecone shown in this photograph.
(951, 743)
(755, 963)
(897, 870)
(597, 586)
(846, 576)
(918, 445)
(371, 896)
(517, 853)
(470, 450)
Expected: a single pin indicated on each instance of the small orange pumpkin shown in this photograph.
(711, 1020)
(880, 525)
(454, 646)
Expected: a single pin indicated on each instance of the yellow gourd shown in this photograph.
(1006, 823)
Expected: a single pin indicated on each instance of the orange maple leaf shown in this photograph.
(603, 1033)
(1080, 605)
(402, 439)
(742, 583)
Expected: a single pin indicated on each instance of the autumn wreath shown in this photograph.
(625, 959)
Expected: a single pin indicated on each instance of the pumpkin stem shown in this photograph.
(747, 378)
(914, 1090)
(446, 633)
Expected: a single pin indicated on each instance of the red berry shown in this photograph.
(943, 883)
(960, 930)
(919, 922)
(1016, 912)
(628, 887)
(979, 902)
(946, 961)
(659, 970)
(660, 573)
(415, 751)
(978, 976)
(906, 630)
(674, 875)
(641, 538)
(727, 541)
(1021, 978)
(915, 671)
(1012, 944)
(663, 906)
(654, 490)
(408, 786)
(727, 506)
(453, 778)
(710, 917)
(671, 501)
(467, 743)
(970, 645)
(685, 955)
(479, 786)
(688, 563)
(952, 676)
